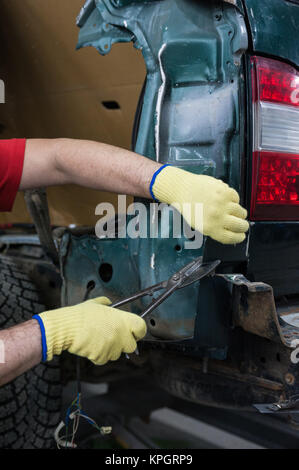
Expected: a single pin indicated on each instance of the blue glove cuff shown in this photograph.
(154, 179)
(44, 340)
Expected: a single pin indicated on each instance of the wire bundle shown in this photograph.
(73, 415)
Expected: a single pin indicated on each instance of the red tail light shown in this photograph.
(275, 171)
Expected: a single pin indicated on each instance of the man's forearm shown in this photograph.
(86, 163)
(101, 166)
(21, 349)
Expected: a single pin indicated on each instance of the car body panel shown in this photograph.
(274, 256)
(273, 248)
(274, 26)
(191, 117)
(195, 113)
(202, 71)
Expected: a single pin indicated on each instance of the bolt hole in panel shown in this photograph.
(106, 272)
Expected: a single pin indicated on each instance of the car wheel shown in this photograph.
(30, 405)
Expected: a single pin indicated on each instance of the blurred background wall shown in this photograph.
(52, 90)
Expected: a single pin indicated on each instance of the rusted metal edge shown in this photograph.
(254, 310)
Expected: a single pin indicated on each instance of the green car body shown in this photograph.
(195, 113)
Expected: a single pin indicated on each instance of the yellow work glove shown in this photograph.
(92, 330)
(223, 217)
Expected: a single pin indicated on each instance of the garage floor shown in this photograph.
(174, 424)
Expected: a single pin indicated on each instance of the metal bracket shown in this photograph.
(247, 313)
(37, 204)
(277, 408)
(85, 12)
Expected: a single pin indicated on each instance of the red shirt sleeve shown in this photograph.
(11, 168)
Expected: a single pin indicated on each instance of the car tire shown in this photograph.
(30, 405)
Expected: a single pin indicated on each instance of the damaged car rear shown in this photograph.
(221, 98)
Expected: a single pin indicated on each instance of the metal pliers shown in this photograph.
(186, 276)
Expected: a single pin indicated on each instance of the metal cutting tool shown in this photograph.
(189, 274)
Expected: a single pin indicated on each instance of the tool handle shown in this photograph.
(149, 291)
(158, 301)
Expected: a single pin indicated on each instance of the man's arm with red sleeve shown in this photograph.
(11, 168)
(52, 162)
(49, 162)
